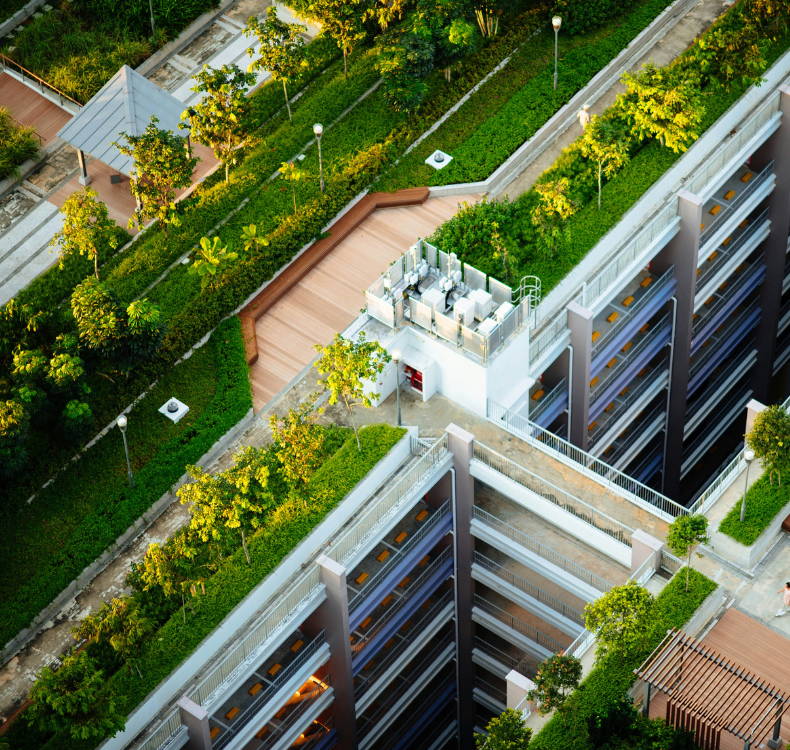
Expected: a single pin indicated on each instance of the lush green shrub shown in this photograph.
(72, 521)
(17, 144)
(763, 501)
(579, 16)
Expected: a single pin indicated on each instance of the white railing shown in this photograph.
(524, 708)
(283, 615)
(620, 483)
(644, 573)
(553, 494)
(387, 506)
(515, 624)
(167, 733)
(581, 645)
(548, 399)
(670, 563)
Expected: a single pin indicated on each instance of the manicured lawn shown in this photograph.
(763, 501)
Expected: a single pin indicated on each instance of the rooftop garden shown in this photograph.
(17, 144)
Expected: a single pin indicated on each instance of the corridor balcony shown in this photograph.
(543, 407)
(649, 464)
(492, 697)
(497, 661)
(782, 355)
(784, 318)
(320, 735)
(635, 438)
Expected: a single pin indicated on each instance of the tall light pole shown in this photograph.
(396, 355)
(121, 422)
(318, 129)
(556, 22)
(153, 27)
(749, 456)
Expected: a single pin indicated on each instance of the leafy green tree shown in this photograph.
(607, 144)
(769, 438)
(14, 425)
(505, 732)
(212, 260)
(501, 251)
(232, 501)
(291, 173)
(619, 619)
(444, 23)
(551, 214)
(771, 16)
(162, 165)
(343, 21)
(684, 534)
(557, 677)
(251, 240)
(74, 698)
(386, 11)
(403, 60)
(663, 103)
(299, 444)
(347, 364)
(76, 419)
(731, 52)
(221, 119)
(86, 227)
(487, 13)
(282, 49)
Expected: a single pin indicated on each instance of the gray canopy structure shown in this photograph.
(125, 104)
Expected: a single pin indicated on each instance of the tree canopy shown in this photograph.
(619, 619)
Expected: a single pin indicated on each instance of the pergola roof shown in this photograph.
(124, 104)
(710, 689)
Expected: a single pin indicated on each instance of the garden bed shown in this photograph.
(17, 144)
(763, 502)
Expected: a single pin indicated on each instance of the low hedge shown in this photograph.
(89, 505)
(286, 527)
(763, 501)
(611, 678)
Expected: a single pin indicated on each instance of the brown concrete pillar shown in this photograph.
(195, 719)
(580, 323)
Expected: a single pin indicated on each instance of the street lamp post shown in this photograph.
(318, 129)
(749, 456)
(122, 422)
(153, 27)
(556, 22)
(396, 355)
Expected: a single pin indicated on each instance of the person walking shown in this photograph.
(584, 116)
(785, 600)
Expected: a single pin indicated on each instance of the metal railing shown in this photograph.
(645, 425)
(644, 573)
(634, 310)
(298, 714)
(281, 616)
(702, 400)
(553, 494)
(739, 400)
(555, 330)
(657, 331)
(415, 586)
(42, 84)
(548, 399)
(670, 563)
(167, 733)
(29, 128)
(524, 708)
(648, 459)
(555, 446)
(504, 658)
(387, 506)
(393, 559)
(737, 202)
(521, 627)
(265, 695)
(372, 678)
(580, 646)
(490, 690)
(525, 541)
(528, 588)
(324, 729)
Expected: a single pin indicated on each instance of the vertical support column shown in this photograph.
(646, 700)
(334, 620)
(776, 740)
(85, 178)
(776, 149)
(753, 408)
(682, 252)
(461, 445)
(517, 688)
(644, 547)
(195, 719)
(580, 322)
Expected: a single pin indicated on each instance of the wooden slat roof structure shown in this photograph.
(124, 104)
(714, 686)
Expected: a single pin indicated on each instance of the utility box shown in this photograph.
(464, 310)
(503, 311)
(487, 327)
(484, 303)
(434, 299)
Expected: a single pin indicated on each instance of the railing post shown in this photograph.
(580, 322)
(195, 719)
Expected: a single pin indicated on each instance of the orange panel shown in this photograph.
(386, 600)
(612, 361)
(641, 372)
(595, 335)
(626, 347)
(609, 408)
(646, 282)
(592, 426)
(644, 328)
(275, 669)
(614, 316)
(362, 578)
(403, 582)
(401, 537)
(743, 224)
(538, 395)
(424, 560)
(713, 256)
(421, 515)
(263, 731)
(727, 241)
(297, 645)
(715, 210)
(383, 556)
(233, 711)
(729, 195)
(255, 688)
(628, 300)
(748, 176)
(625, 390)
(366, 622)
(214, 732)
(593, 382)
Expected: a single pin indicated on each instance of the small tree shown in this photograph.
(557, 677)
(212, 260)
(291, 173)
(14, 425)
(684, 534)
(505, 732)
(501, 251)
(75, 697)
(607, 145)
(487, 13)
(86, 227)
(550, 215)
(251, 240)
(343, 21)
(299, 444)
(171, 567)
(403, 60)
(660, 103)
(282, 49)
(769, 438)
(162, 165)
(620, 618)
(221, 119)
(347, 364)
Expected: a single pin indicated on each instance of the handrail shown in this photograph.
(670, 563)
(27, 127)
(325, 728)
(491, 690)
(644, 573)
(620, 450)
(742, 395)
(513, 622)
(502, 572)
(427, 527)
(553, 494)
(292, 718)
(555, 330)
(41, 82)
(506, 659)
(548, 399)
(702, 398)
(166, 733)
(555, 557)
(579, 647)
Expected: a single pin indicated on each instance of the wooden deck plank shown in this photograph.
(30, 108)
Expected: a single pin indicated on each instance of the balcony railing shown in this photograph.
(670, 563)
(515, 624)
(722, 377)
(322, 731)
(554, 331)
(297, 715)
(549, 554)
(504, 658)
(553, 494)
(167, 732)
(633, 435)
(265, 695)
(491, 690)
(581, 645)
(43, 85)
(548, 399)
(528, 588)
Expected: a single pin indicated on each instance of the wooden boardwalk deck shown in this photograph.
(329, 297)
(30, 108)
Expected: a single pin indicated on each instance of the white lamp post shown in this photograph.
(396, 355)
(122, 422)
(556, 22)
(748, 454)
(318, 129)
